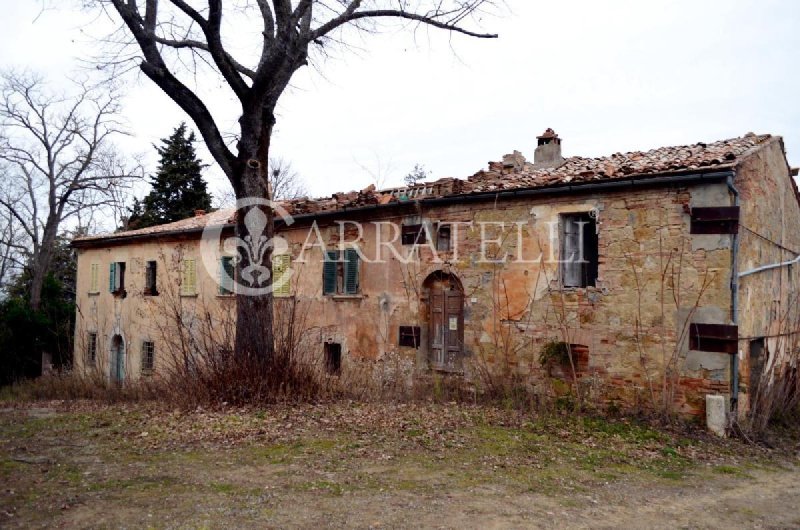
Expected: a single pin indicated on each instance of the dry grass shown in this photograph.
(82, 464)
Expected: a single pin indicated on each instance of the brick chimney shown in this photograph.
(199, 213)
(548, 151)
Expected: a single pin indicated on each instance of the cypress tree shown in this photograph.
(178, 188)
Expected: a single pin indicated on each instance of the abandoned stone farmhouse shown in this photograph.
(666, 274)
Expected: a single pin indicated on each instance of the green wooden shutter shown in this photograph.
(221, 276)
(329, 272)
(112, 273)
(226, 273)
(351, 271)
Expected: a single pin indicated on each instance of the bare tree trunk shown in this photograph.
(254, 313)
(40, 264)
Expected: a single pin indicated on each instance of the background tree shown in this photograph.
(178, 188)
(285, 182)
(26, 333)
(166, 31)
(57, 161)
(418, 174)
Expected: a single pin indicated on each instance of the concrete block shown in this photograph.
(716, 416)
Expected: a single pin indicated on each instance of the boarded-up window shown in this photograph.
(715, 220)
(189, 278)
(714, 338)
(413, 235)
(148, 356)
(94, 280)
(280, 273)
(340, 272)
(579, 252)
(226, 275)
(150, 279)
(116, 278)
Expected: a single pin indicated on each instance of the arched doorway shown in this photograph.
(117, 359)
(445, 320)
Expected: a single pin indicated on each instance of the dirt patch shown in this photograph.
(373, 465)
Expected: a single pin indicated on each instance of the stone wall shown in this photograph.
(769, 234)
(629, 331)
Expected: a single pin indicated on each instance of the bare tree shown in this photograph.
(58, 162)
(174, 33)
(12, 248)
(285, 182)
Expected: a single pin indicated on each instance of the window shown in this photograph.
(94, 280)
(443, 238)
(116, 278)
(280, 274)
(227, 275)
(91, 348)
(340, 272)
(189, 278)
(714, 220)
(579, 253)
(412, 235)
(409, 336)
(148, 356)
(720, 338)
(150, 279)
(333, 358)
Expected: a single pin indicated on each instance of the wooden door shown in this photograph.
(446, 332)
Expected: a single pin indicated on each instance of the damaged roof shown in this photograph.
(513, 172)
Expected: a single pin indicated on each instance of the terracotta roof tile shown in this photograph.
(513, 172)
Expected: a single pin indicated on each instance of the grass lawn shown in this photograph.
(377, 465)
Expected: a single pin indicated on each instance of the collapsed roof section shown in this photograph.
(513, 172)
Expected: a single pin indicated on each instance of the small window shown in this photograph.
(281, 285)
(443, 238)
(714, 220)
(148, 356)
(189, 278)
(412, 235)
(340, 272)
(579, 252)
(91, 348)
(227, 275)
(94, 278)
(150, 279)
(333, 358)
(116, 278)
(409, 336)
(720, 338)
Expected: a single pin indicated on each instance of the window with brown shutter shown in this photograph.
(715, 220)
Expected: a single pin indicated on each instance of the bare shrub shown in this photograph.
(74, 385)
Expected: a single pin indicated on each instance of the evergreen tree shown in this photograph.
(178, 189)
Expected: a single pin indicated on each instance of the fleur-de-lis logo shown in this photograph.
(249, 249)
(252, 247)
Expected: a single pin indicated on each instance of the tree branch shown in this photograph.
(351, 15)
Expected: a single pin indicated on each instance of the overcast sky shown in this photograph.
(608, 76)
